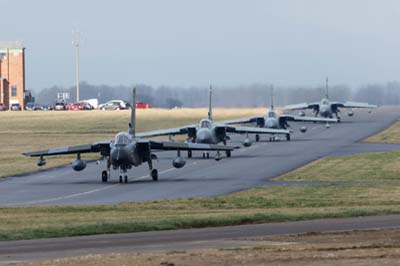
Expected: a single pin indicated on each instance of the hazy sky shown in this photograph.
(184, 42)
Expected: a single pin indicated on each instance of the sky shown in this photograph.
(195, 43)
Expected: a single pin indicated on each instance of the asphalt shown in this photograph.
(247, 168)
(180, 240)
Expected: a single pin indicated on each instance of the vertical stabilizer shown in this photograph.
(327, 88)
(132, 123)
(272, 97)
(210, 104)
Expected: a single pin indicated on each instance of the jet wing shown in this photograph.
(296, 118)
(165, 132)
(300, 106)
(255, 130)
(169, 145)
(245, 120)
(354, 105)
(101, 147)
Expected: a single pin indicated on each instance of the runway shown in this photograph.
(179, 240)
(247, 168)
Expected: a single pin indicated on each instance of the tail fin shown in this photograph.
(132, 124)
(272, 97)
(210, 104)
(327, 88)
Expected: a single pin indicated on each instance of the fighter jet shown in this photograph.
(213, 133)
(273, 120)
(127, 150)
(326, 108)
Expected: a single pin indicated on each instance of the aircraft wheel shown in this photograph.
(154, 174)
(339, 119)
(120, 178)
(288, 137)
(126, 179)
(204, 155)
(208, 155)
(190, 154)
(104, 176)
(257, 138)
(228, 154)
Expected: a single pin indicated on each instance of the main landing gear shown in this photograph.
(257, 138)
(153, 172)
(105, 175)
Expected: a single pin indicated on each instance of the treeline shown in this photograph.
(257, 95)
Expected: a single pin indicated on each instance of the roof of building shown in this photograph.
(11, 45)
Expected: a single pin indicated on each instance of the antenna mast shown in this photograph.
(75, 43)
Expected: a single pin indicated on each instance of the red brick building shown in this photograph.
(12, 73)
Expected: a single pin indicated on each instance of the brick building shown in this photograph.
(12, 74)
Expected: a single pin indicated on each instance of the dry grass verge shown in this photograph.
(389, 136)
(349, 248)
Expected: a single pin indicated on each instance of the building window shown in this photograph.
(13, 91)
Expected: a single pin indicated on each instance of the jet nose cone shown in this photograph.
(118, 155)
(271, 123)
(324, 111)
(203, 136)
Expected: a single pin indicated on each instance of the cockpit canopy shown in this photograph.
(271, 114)
(205, 123)
(325, 102)
(122, 139)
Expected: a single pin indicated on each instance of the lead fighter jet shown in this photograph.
(213, 133)
(273, 120)
(127, 150)
(326, 108)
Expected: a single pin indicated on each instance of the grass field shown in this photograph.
(382, 166)
(27, 131)
(390, 135)
(264, 204)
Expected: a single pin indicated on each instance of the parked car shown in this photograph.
(46, 107)
(111, 106)
(114, 105)
(59, 106)
(33, 107)
(3, 107)
(79, 106)
(141, 105)
(16, 107)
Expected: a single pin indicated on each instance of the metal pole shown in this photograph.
(76, 44)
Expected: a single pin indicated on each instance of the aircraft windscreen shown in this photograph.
(205, 124)
(121, 139)
(325, 102)
(271, 114)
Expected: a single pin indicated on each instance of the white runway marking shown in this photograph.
(88, 192)
(64, 197)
